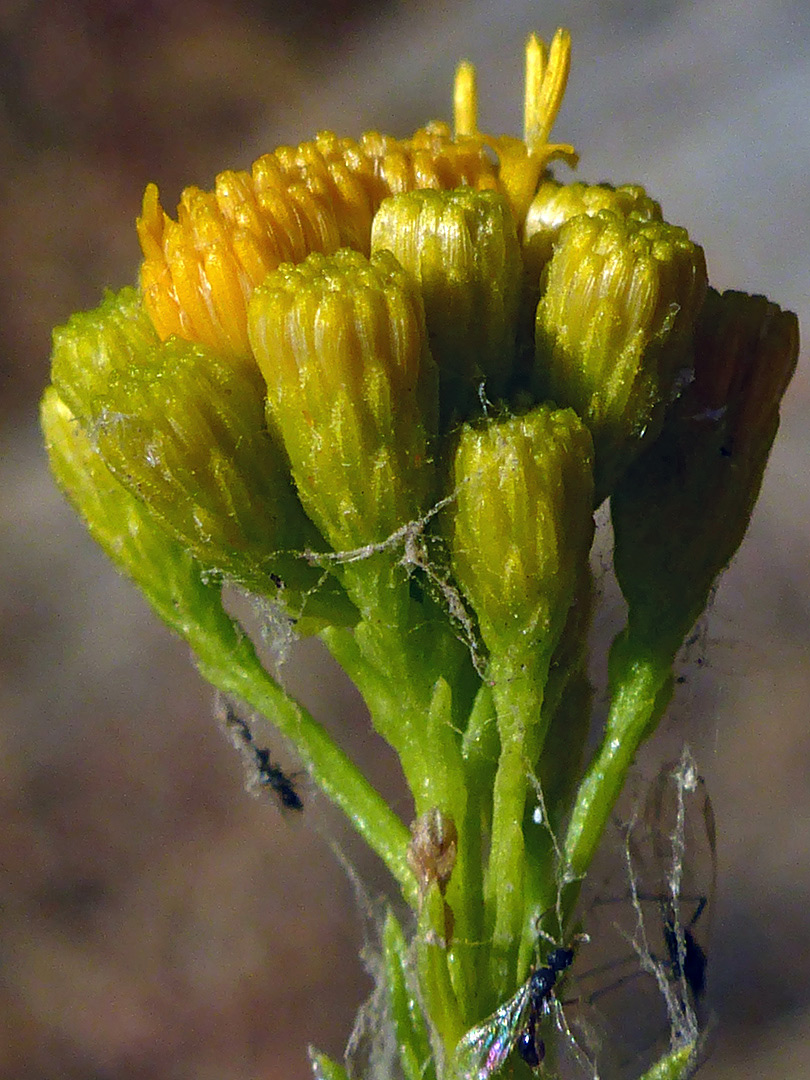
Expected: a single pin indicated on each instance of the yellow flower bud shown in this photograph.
(555, 203)
(462, 248)
(352, 389)
(522, 524)
(613, 329)
(682, 509)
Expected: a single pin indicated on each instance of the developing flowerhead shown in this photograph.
(183, 430)
(121, 524)
(682, 509)
(522, 525)
(613, 329)
(200, 271)
(351, 388)
(180, 424)
(269, 275)
(462, 249)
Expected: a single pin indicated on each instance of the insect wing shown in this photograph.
(484, 1049)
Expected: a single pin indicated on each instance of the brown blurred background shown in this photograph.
(155, 922)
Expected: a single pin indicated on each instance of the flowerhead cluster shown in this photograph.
(384, 384)
(317, 346)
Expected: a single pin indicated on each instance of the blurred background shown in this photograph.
(156, 922)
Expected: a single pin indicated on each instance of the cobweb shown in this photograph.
(647, 907)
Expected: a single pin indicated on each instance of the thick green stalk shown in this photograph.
(396, 656)
(518, 682)
(641, 686)
(424, 737)
(372, 658)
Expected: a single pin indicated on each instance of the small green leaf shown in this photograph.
(323, 1068)
(412, 1033)
(677, 1065)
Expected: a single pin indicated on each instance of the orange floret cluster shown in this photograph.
(199, 272)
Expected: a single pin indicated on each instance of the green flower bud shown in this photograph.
(351, 388)
(681, 510)
(126, 530)
(613, 329)
(184, 431)
(556, 203)
(187, 434)
(94, 345)
(171, 579)
(523, 523)
(462, 248)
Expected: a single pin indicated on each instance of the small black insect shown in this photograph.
(262, 770)
(530, 1045)
(273, 776)
(515, 1025)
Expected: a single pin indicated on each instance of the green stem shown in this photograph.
(540, 891)
(428, 747)
(412, 1035)
(479, 750)
(409, 627)
(441, 1003)
(370, 656)
(641, 685)
(396, 661)
(558, 770)
(518, 683)
(480, 745)
(676, 1065)
(448, 792)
